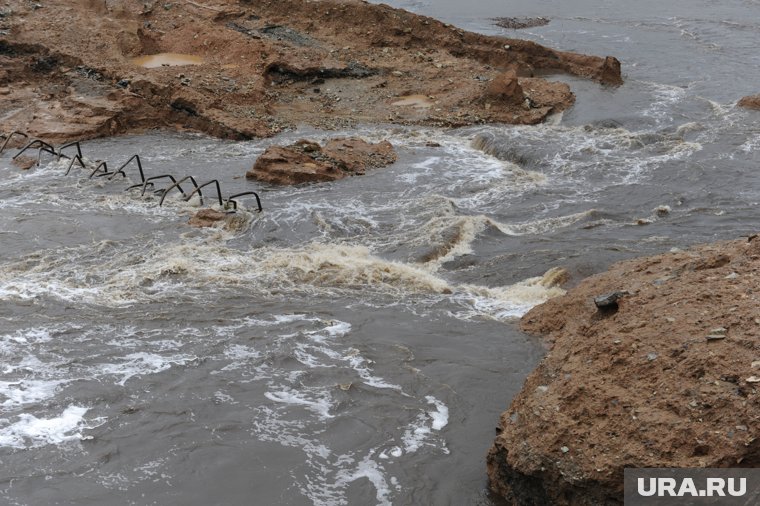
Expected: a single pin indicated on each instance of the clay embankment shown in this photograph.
(67, 70)
(669, 379)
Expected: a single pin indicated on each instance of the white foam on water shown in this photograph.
(361, 366)
(441, 414)
(27, 391)
(510, 302)
(142, 363)
(31, 432)
(318, 402)
(338, 329)
(329, 474)
(416, 435)
(371, 470)
(200, 268)
(545, 225)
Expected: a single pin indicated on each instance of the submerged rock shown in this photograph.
(308, 162)
(750, 102)
(207, 218)
(520, 23)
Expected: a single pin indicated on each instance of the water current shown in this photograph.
(355, 342)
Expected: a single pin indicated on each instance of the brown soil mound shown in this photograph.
(308, 162)
(67, 70)
(668, 379)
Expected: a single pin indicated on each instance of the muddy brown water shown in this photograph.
(356, 342)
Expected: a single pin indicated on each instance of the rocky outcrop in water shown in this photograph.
(667, 378)
(251, 69)
(750, 102)
(308, 162)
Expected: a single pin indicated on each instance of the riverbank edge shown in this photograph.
(68, 70)
(666, 377)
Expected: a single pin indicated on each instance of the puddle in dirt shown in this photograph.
(166, 60)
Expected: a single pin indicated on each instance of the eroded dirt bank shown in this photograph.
(670, 379)
(66, 69)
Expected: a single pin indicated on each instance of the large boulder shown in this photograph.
(505, 89)
(308, 162)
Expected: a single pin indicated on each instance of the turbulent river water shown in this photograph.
(356, 341)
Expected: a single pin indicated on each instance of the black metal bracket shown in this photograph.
(9, 137)
(147, 183)
(120, 170)
(105, 170)
(40, 146)
(76, 158)
(177, 185)
(200, 194)
(231, 200)
(69, 145)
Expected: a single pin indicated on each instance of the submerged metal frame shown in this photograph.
(70, 144)
(120, 170)
(147, 183)
(200, 193)
(41, 146)
(9, 137)
(177, 185)
(105, 170)
(76, 158)
(231, 200)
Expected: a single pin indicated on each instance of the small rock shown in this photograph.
(542, 388)
(123, 83)
(609, 300)
(742, 428)
(753, 379)
(652, 356)
(397, 73)
(25, 162)
(662, 211)
(733, 275)
(717, 334)
(670, 319)
(755, 364)
(565, 449)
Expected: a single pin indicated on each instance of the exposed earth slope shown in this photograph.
(67, 70)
